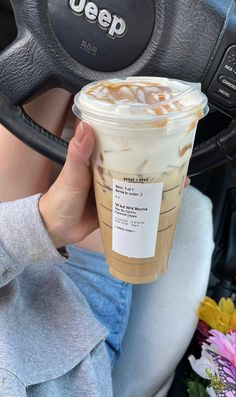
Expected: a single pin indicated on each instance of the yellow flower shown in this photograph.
(221, 317)
(226, 305)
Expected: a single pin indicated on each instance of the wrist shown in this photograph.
(51, 223)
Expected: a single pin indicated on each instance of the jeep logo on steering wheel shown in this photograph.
(114, 24)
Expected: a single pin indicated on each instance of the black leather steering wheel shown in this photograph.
(68, 43)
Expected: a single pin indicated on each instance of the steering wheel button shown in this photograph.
(228, 82)
(223, 97)
(228, 64)
(222, 94)
(231, 98)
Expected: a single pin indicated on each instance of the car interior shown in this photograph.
(192, 40)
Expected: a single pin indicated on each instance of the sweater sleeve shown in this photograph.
(24, 240)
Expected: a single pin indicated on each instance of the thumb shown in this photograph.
(63, 206)
(75, 175)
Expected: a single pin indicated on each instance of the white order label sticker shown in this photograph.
(135, 218)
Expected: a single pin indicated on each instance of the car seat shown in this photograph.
(163, 314)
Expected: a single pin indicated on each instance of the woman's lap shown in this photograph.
(109, 299)
(158, 314)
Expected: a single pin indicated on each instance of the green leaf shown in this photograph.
(195, 378)
(196, 389)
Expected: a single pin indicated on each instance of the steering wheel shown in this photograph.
(68, 43)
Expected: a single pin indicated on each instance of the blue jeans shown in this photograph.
(109, 298)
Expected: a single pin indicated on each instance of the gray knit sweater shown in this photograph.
(50, 343)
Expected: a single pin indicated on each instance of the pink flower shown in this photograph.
(224, 345)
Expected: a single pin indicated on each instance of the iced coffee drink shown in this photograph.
(145, 129)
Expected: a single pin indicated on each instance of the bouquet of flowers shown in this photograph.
(215, 369)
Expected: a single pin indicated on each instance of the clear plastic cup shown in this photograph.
(145, 129)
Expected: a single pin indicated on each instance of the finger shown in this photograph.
(187, 182)
(76, 172)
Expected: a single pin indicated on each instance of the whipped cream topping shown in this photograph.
(143, 125)
(141, 97)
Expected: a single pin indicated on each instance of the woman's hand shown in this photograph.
(68, 208)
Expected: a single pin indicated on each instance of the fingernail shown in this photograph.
(79, 133)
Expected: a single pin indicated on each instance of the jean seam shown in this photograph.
(121, 310)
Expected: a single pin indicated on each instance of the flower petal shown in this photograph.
(232, 321)
(211, 392)
(204, 362)
(209, 314)
(224, 345)
(226, 305)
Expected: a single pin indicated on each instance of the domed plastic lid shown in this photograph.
(140, 98)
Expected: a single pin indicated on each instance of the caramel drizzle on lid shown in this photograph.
(136, 93)
(154, 94)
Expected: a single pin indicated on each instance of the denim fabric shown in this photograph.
(109, 298)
